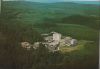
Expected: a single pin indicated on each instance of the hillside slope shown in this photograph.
(46, 17)
(33, 12)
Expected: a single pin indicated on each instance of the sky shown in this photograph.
(48, 1)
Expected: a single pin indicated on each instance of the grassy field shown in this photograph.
(81, 45)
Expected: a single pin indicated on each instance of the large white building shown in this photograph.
(56, 36)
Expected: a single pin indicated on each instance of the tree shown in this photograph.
(0, 6)
(13, 31)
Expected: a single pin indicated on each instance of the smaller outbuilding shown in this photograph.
(26, 45)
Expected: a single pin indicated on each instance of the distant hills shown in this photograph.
(38, 11)
(45, 17)
(35, 12)
(88, 2)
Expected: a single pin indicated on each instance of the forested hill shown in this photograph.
(67, 8)
(88, 2)
(45, 16)
(34, 12)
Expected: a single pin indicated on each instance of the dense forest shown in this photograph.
(25, 21)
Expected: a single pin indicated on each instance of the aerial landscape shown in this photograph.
(49, 34)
